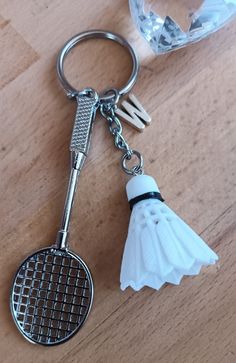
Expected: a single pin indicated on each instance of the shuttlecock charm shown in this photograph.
(160, 247)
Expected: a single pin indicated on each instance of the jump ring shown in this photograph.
(136, 169)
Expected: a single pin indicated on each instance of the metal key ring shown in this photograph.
(69, 89)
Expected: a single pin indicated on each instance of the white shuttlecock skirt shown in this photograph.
(160, 247)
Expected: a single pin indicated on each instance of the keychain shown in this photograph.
(52, 291)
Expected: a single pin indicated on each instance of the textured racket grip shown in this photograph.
(81, 134)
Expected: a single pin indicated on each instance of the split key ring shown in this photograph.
(70, 91)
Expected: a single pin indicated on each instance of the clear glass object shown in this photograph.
(164, 34)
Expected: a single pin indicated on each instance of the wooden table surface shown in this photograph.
(189, 148)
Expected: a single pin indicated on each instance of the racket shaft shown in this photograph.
(79, 146)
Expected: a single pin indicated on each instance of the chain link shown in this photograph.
(115, 127)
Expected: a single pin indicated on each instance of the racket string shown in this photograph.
(51, 296)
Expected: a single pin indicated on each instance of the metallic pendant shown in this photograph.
(52, 291)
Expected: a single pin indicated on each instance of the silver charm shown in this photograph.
(133, 113)
(52, 291)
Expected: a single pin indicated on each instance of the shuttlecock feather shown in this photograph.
(160, 246)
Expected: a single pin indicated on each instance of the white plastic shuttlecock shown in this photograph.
(160, 246)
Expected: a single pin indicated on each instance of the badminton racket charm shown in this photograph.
(160, 246)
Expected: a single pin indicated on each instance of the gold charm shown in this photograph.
(133, 113)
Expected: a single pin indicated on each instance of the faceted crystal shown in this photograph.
(164, 34)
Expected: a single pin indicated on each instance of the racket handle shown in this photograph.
(86, 108)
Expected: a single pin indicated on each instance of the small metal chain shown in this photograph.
(108, 112)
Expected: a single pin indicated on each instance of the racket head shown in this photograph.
(51, 296)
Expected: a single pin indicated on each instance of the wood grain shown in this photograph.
(189, 147)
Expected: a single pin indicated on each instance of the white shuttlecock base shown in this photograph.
(160, 246)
